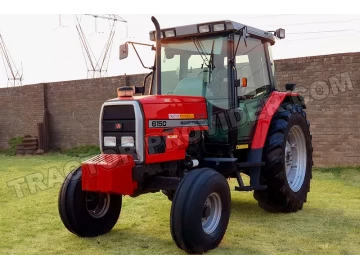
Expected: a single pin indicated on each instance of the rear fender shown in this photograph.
(271, 106)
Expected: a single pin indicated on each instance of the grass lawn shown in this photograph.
(30, 223)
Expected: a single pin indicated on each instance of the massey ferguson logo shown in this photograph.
(118, 126)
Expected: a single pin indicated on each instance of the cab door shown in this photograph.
(252, 63)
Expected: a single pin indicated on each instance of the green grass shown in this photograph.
(328, 224)
(82, 151)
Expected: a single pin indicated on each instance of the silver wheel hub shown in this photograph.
(211, 213)
(295, 158)
(97, 204)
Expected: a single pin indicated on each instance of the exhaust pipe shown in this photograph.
(158, 55)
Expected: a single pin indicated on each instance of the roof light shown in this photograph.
(219, 27)
(152, 35)
(204, 28)
(280, 33)
(170, 33)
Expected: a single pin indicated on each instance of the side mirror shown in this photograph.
(290, 86)
(124, 51)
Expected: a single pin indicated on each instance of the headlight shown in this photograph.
(219, 27)
(127, 141)
(170, 33)
(204, 28)
(110, 141)
(280, 33)
(153, 34)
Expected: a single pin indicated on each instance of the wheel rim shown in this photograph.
(211, 213)
(295, 158)
(97, 204)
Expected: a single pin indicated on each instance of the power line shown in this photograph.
(310, 23)
(264, 16)
(316, 32)
(338, 36)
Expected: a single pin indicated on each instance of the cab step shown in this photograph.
(244, 165)
(251, 188)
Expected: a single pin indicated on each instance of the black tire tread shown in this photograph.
(73, 213)
(279, 197)
(185, 196)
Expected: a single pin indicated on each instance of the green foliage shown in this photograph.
(82, 151)
(13, 142)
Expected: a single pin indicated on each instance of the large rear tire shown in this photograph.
(200, 211)
(87, 214)
(288, 161)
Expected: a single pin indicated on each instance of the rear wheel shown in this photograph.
(200, 211)
(87, 214)
(288, 161)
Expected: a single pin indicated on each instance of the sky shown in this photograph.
(49, 52)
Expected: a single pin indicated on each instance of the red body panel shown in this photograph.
(166, 99)
(176, 138)
(267, 113)
(109, 174)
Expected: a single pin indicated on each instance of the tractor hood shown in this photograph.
(163, 99)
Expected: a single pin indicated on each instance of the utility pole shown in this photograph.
(14, 75)
(97, 67)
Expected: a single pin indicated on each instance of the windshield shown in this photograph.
(195, 67)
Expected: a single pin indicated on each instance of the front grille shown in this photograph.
(118, 121)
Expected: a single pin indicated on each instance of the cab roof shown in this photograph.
(230, 26)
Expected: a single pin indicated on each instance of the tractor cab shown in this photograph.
(228, 63)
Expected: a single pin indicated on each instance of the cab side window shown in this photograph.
(251, 64)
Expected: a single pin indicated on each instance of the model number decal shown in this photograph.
(158, 123)
(177, 123)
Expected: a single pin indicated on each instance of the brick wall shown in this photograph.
(331, 87)
(20, 109)
(330, 84)
(74, 108)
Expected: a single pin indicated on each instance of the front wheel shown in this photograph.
(87, 214)
(200, 211)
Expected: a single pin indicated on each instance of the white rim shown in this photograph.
(211, 213)
(295, 158)
(97, 204)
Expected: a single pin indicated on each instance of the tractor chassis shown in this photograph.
(149, 181)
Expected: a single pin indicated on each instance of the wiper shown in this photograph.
(212, 57)
(242, 33)
(201, 52)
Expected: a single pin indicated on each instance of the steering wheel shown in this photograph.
(214, 84)
(200, 73)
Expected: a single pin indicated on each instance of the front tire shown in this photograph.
(288, 161)
(200, 211)
(87, 214)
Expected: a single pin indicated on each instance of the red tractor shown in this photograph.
(211, 112)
